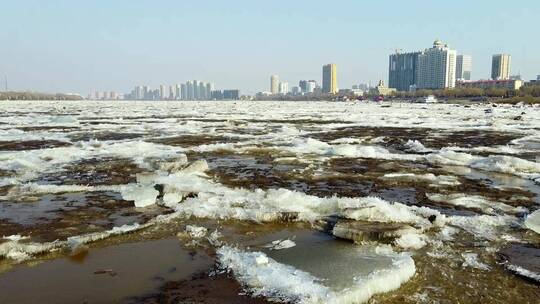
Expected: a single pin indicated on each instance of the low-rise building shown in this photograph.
(231, 94)
(510, 84)
(382, 90)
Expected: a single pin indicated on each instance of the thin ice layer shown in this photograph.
(21, 251)
(263, 276)
(474, 202)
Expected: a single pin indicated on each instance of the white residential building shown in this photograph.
(283, 88)
(437, 67)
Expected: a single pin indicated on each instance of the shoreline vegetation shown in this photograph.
(526, 94)
(13, 95)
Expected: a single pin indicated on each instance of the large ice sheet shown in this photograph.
(349, 275)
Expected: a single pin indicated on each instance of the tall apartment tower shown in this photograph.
(500, 67)
(303, 86)
(463, 67)
(209, 89)
(196, 95)
(202, 91)
(274, 84)
(183, 91)
(190, 92)
(402, 72)
(172, 92)
(283, 87)
(436, 67)
(330, 79)
(162, 91)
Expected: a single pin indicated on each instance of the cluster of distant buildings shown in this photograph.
(305, 87)
(191, 90)
(435, 68)
(440, 67)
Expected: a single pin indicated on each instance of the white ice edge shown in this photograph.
(263, 276)
(21, 251)
(524, 272)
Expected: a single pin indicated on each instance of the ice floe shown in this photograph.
(411, 241)
(475, 202)
(280, 244)
(524, 272)
(494, 163)
(263, 276)
(487, 227)
(20, 251)
(434, 180)
(29, 164)
(314, 146)
(532, 221)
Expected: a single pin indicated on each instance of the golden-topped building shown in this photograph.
(330, 79)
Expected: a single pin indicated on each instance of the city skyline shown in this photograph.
(114, 45)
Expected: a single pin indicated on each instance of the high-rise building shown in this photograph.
(311, 86)
(146, 93)
(172, 92)
(178, 92)
(209, 89)
(162, 91)
(274, 84)
(156, 94)
(202, 91)
(190, 92)
(283, 88)
(303, 85)
(330, 79)
(436, 68)
(196, 95)
(463, 67)
(139, 92)
(183, 91)
(307, 86)
(402, 72)
(500, 67)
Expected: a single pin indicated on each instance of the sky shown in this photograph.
(82, 46)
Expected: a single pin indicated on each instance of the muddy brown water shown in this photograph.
(112, 274)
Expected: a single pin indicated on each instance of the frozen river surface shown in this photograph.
(249, 202)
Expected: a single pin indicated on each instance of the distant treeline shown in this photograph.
(524, 91)
(37, 96)
(528, 94)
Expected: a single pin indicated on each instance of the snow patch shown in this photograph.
(196, 232)
(411, 241)
(471, 260)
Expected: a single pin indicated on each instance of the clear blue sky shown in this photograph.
(81, 46)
